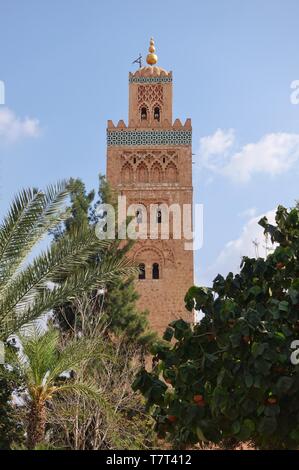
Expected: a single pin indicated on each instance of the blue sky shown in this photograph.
(65, 67)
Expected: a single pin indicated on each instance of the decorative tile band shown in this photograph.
(149, 137)
(150, 79)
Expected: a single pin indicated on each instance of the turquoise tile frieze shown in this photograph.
(148, 137)
(150, 79)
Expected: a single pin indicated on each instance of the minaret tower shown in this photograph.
(150, 162)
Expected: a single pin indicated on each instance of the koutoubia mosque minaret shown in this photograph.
(150, 162)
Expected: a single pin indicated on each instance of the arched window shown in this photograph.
(157, 113)
(105, 218)
(156, 173)
(126, 173)
(171, 173)
(139, 216)
(143, 113)
(156, 273)
(142, 173)
(141, 271)
(159, 216)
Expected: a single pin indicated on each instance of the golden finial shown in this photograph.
(152, 58)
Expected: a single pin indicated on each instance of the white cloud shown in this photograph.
(248, 213)
(13, 128)
(273, 154)
(251, 242)
(214, 148)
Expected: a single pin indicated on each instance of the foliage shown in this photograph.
(117, 303)
(121, 423)
(25, 289)
(11, 429)
(230, 376)
(48, 370)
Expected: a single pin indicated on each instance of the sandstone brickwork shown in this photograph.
(150, 162)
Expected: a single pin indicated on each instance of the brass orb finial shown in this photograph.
(152, 58)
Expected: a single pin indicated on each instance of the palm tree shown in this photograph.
(46, 368)
(26, 287)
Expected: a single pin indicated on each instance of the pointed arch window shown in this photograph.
(159, 216)
(171, 173)
(126, 173)
(156, 271)
(156, 173)
(139, 216)
(142, 173)
(143, 113)
(157, 113)
(141, 271)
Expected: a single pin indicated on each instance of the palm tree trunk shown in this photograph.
(36, 424)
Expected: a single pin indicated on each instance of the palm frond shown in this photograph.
(39, 354)
(44, 361)
(25, 291)
(84, 280)
(31, 215)
(61, 259)
(87, 390)
(73, 356)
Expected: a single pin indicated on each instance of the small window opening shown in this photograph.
(157, 113)
(139, 216)
(134, 160)
(105, 227)
(143, 114)
(159, 216)
(156, 273)
(141, 271)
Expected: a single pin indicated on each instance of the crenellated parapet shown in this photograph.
(177, 125)
(149, 75)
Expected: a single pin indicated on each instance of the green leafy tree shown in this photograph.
(111, 314)
(11, 426)
(117, 304)
(25, 292)
(230, 377)
(80, 424)
(48, 371)
(26, 282)
(73, 420)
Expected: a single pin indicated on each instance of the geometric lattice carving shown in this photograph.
(148, 137)
(148, 255)
(149, 94)
(161, 253)
(150, 79)
(149, 167)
